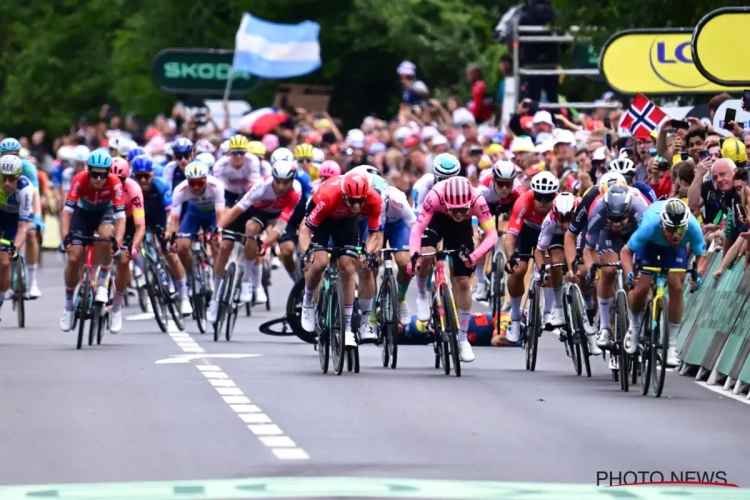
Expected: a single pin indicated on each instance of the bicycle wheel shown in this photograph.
(389, 311)
(451, 326)
(198, 295)
(294, 312)
(497, 286)
(621, 329)
(225, 299)
(380, 307)
(84, 294)
(265, 282)
(645, 348)
(572, 339)
(442, 343)
(156, 295)
(100, 314)
(19, 292)
(172, 305)
(577, 312)
(323, 335)
(94, 323)
(659, 346)
(234, 309)
(336, 325)
(533, 330)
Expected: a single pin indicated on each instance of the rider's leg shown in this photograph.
(557, 256)
(5, 277)
(606, 292)
(287, 242)
(252, 277)
(402, 282)
(103, 256)
(32, 262)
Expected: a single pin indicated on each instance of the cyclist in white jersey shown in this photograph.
(444, 165)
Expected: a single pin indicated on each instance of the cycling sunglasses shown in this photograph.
(676, 230)
(97, 176)
(354, 201)
(9, 177)
(142, 176)
(239, 152)
(182, 156)
(459, 211)
(196, 183)
(504, 184)
(544, 197)
(618, 220)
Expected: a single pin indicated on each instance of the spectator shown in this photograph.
(713, 196)
(481, 104)
(505, 65)
(413, 91)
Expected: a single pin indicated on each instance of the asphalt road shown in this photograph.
(114, 413)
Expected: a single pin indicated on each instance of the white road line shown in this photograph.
(209, 368)
(727, 394)
(215, 374)
(236, 400)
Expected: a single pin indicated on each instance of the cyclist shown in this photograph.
(614, 218)
(328, 169)
(446, 215)
(303, 153)
(500, 195)
(667, 227)
(282, 154)
(95, 203)
(334, 214)
(206, 158)
(257, 149)
(626, 168)
(204, 196)
(399, 219)
(174, 171)
(318, 158)
(204, 146)
(238, 171)
(15, 213)
(551, 241)
(135, 231)
(157, 201)
(62, 178)
(444, 166)
(12, 147)
(273, 198)
(524, 227)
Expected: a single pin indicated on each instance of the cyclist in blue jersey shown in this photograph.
(626, 167)
(12, 147)
(661, 240)
(288, 240)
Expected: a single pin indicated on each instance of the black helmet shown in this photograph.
(675, 213)
(617, 202)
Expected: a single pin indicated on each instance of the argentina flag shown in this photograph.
(273, 51)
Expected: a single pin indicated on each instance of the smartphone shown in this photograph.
(607, 122)
(679, 124)
(746, 100)
(608, 140)
(684, 156)
(703, 155)
(729, 116)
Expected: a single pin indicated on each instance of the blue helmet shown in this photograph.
(100, 159)
(142, 163)
(135, 152)
(10, 144)
(182, 146)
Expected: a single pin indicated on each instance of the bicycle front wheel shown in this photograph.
(645, 348)
(156, 295)
(451, 327)
(337, 325)
(174, 306)
(621, 329)
(84, 295)
(198, 297)
(572, 338)
(389, 312)
(533, 330)
(659, 346)
(19, 294)
(225, 299)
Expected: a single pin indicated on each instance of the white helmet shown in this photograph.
(124, 146)
(196, 170)
(204, 146)
(206, 158)
(224, 147)
(564, 205)
(318, 156)
(81, 154)
(168, 149)
(611, 177)
(11, 165)
(281, 154)
(284, 169)
(504, 170)
(65, 153)
(369, 170)
(545, 182)
(445, 165)
(622, 165)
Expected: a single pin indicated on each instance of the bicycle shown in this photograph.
(200, 279)
(18, 280)
(620, 322)
(158, 282)
(330, 322)
(574, 311)
(654, 333)
(85, 305)
(229, 291)
(496, 279)
(386, 305)
(444, 317)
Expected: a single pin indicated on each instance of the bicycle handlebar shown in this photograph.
(441, 254)
(693, 271)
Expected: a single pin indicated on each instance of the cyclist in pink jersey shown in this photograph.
(446, 215)
(135, 231)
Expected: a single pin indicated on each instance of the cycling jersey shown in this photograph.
(550, 234)
(84, 196)
(158, 171)
(525, 214)
(598, 220)
(398, 207)
(328, 203)
(497, 203)
(19, 202)
(67, 179)
(133, 201)
(649, 232)
(262, 197)
(265, 168)
(157, 202)
(173, 174)
(419, 192)
(381, 186)
(434, 204)
(56, 174)
(29, 171)
(237, 180)
(646, 190)
(489, 179)
(210, 200)
(581, 218)
(304, 181)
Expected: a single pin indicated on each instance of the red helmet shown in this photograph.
(120, 168)
(329, 168)
(564, 206)
(355, 185)
(458, 193)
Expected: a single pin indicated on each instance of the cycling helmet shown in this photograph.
(168, 150)
(23, 153)
(318, 156)
(137, 151)
(10, 144)
(114, 145)
(238, 143)
(617, 202)
(564, 206)
(445, 165)
(355, 185)
(504, 170)
(100, 158)
(284, 169)
(370, 170)
(624, 166)
(204, 146)
(125, 146)
(11, 165)
(256, 148)
(65, 153)
(182, 146)
(458, 193)
(196, 170)
(329, 168)
(224, 148)
(142, 164)
(545, 182)
(675, 213)
(610, 179)
(206, 158)
(81, 154)
(281, 154)
(120, 168)
(303, 151)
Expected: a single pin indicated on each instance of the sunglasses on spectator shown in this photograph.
(239, 152)
(354, 201)
(9, 177)
(544, 197)
(142, 176)
(98, 175)
(196, 183)
(676, 230)
(181, 156)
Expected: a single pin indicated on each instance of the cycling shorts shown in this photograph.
(86, 222)
(9, 225)
(156, 219)
(557, 242)
(526, 241)
(290, 234)
(654, 255)
(454, 234)
(195, 220)
(396, 235)
(610, 242)
(239, 224)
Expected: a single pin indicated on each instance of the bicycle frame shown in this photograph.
(659, 287)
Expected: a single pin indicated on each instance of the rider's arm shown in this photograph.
(482, 212)
(118, 205)
(180, 196)
(570, 248)
(292, 199)
(697, 242)
(695, 201)
(423, 220)
(514, 225)
(26, 199)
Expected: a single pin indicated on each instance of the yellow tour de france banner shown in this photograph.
(652, 62)
(719, 46)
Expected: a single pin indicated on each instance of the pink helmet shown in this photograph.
(120, 168)
(271, 142)
(329, 168)
(457, 193)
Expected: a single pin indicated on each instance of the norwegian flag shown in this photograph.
(642, 118)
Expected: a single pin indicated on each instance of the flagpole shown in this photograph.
(228, 89)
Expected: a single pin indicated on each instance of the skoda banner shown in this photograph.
(199, 72)
(653, 62)
(719, 45)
